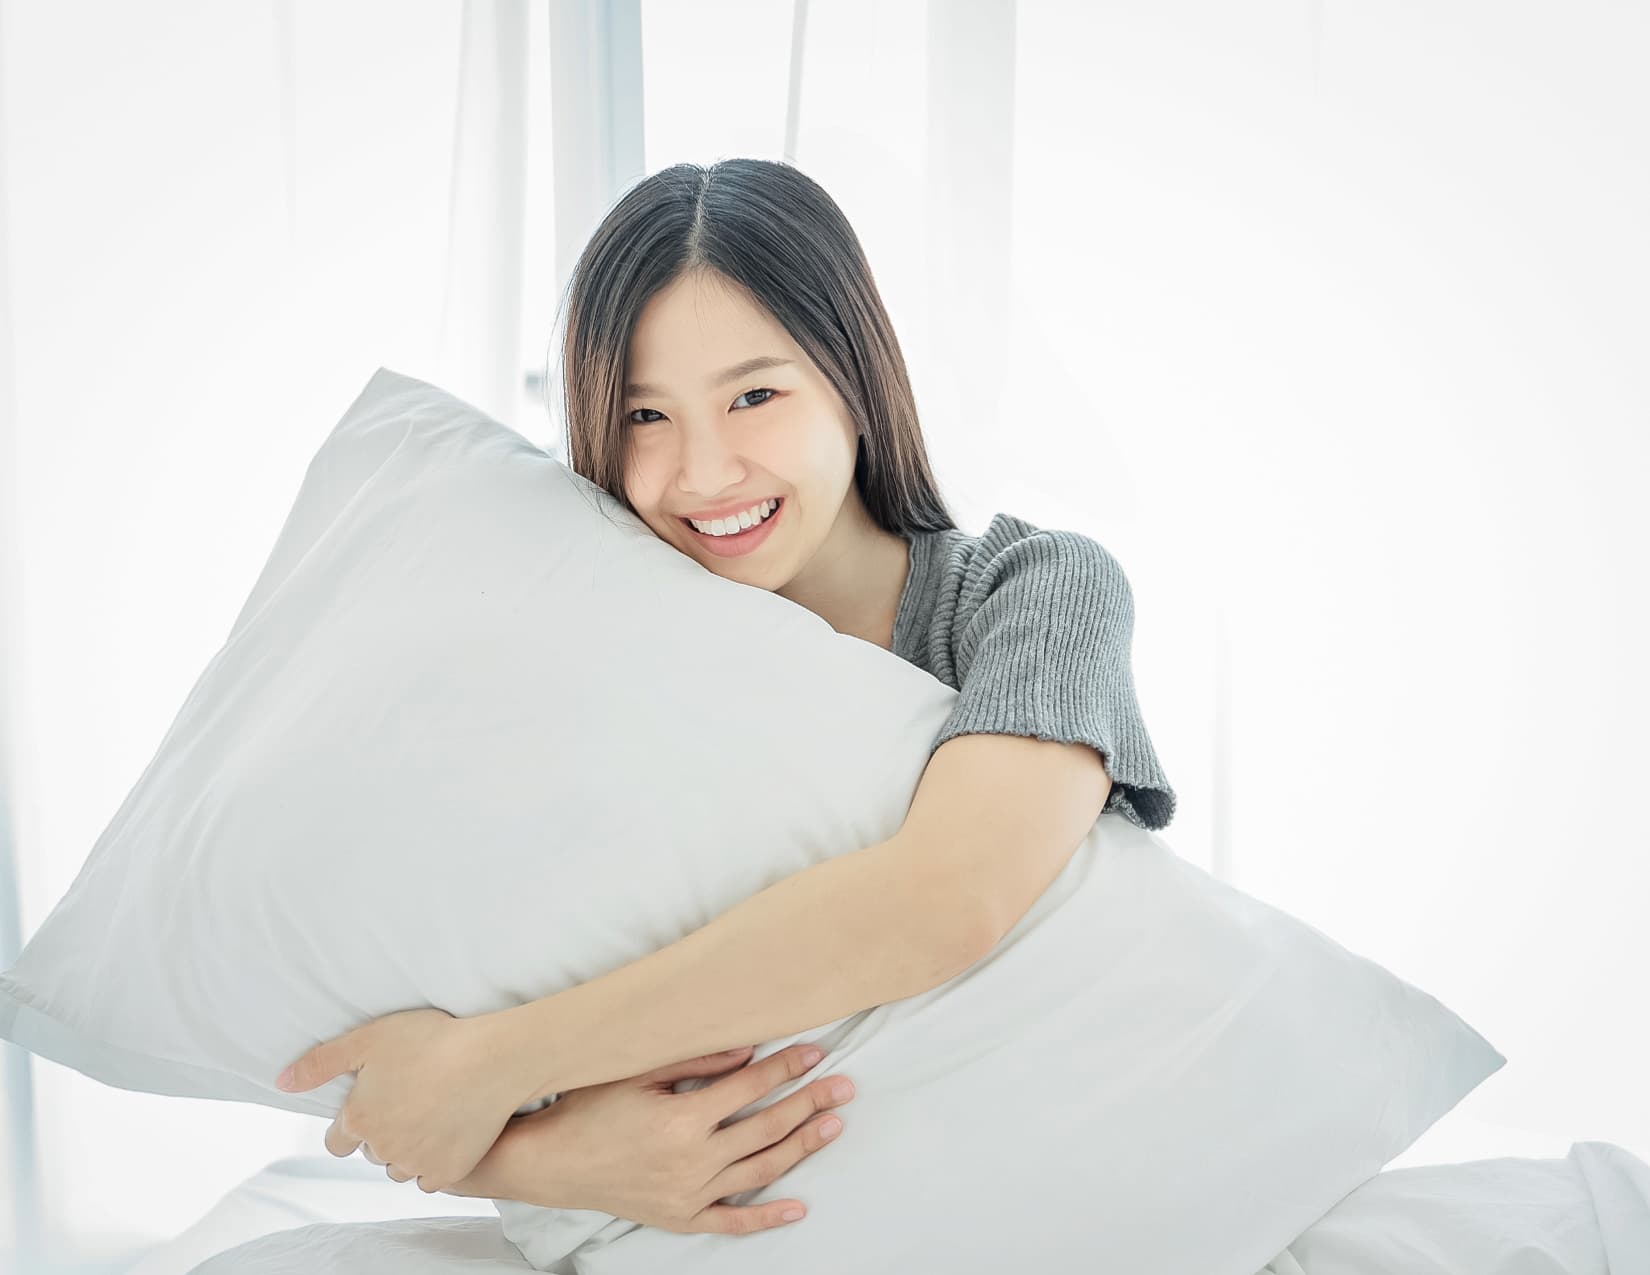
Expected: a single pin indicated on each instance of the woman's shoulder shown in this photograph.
(1003, 529)
(1014, 568)
(1011, 543)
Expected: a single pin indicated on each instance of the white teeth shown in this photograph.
(738, 523)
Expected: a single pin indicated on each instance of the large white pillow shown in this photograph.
(413, 773)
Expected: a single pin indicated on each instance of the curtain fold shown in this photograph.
(968, 211)
(19, 1201)
(479, 357)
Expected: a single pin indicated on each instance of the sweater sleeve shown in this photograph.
(1041, 647)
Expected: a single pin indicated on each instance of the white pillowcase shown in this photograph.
(413, 773)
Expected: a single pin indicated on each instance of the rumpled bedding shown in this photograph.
(1586, 1213)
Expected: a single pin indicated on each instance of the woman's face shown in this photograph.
(710, 436)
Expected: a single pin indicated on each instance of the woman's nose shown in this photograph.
(706, 465)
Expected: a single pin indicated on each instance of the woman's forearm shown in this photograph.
(857, 930)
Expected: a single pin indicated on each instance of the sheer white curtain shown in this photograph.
(219, 220)
(481, 329)
(1327, 320)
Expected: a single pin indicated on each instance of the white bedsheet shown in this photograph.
(1470, 1198)
(297, 1191)
(1588, 1213)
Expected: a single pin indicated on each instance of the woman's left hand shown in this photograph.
(431, 1093)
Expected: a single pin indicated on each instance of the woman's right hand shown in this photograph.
(637, 1149)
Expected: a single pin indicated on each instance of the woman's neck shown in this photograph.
(856, 579)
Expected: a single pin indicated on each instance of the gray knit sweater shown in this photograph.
(1032, 628)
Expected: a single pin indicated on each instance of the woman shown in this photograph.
(732, 378)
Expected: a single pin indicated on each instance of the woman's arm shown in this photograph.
(522, 1164)
(855, 931)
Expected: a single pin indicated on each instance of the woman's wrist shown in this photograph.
(519, 1040)
(522, 1164)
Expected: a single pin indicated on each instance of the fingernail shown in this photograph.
(284, 1080)
(830, 1128)
(811, 1055)
(792, 1215)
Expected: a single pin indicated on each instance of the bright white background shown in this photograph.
(1329, 319)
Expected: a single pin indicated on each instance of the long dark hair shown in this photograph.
(773, 231)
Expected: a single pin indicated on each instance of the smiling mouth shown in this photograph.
(779, 503)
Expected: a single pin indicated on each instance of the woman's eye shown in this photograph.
(630, 417)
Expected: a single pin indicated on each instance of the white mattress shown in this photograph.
(1469, 1198)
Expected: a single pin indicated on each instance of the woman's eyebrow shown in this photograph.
(733, 373)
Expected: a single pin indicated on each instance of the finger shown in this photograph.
(397, 1174)
(730, 1219)
(366, 1153)
(768, 1165)
(779, 1120)
(338, 1142)
(323, 1063)
(745, 1086)
(704, 1065)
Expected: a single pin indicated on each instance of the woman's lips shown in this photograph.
(738, 545)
